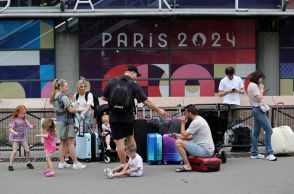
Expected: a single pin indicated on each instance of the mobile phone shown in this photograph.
(233, 89)
(174, 135)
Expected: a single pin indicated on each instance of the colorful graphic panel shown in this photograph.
(182, 57)
(27, 59)
(286, 57)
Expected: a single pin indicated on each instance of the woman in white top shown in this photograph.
(84, 99)
(255, 93)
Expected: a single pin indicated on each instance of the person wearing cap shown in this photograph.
(122, 124)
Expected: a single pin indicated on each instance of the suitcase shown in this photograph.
(282, 139)
(170, 154)
(154, 148)
(204, 164)
(87, 146)
(140, 135)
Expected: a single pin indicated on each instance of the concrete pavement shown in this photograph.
(237, 176)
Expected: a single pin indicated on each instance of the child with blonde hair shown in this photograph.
(134, 167)
(106, 130)
(18, 130)
(49, 133)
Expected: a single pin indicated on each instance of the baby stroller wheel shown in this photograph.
(223, 157)
(106, 159)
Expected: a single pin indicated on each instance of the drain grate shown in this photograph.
(238, 155)
(34, 159)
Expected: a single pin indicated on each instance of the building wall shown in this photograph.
(67, 58)
(268, 60)
(177, 56)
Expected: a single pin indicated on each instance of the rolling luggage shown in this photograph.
(87, 146)
(204, 164)
(282, 139)
(170, 153)
(140, 135)
(141, 130)
(154, 148)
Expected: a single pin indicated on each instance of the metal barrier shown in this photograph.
(284, 116)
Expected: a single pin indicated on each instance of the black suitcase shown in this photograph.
(140, 135)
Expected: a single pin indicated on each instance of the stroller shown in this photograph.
(106, 156)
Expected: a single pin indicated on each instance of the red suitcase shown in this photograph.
(205, 164)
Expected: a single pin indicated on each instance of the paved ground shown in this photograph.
(237, 176)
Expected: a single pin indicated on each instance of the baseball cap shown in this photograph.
(134, 69)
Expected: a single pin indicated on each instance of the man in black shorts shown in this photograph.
(122, 123)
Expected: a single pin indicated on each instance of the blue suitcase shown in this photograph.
(87, 146)
(154, 148)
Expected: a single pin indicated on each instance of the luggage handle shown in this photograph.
(279, 105)
(79, 134)
(143, 112)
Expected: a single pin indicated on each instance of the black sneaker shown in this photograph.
(69, 160)
(10, 168)
(30, 166)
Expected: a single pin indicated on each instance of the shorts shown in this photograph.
(121, 130)
(65, 131)
(195, 149)
(24, 144)
(138, 173)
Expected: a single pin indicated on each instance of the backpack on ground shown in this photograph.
(122, 97)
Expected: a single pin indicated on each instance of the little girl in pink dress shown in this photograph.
(48, 133)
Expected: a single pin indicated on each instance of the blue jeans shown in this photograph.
(261, 120)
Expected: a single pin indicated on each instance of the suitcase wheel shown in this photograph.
(106, 159)
(223, 157)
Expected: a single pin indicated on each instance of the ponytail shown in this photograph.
(57, 83)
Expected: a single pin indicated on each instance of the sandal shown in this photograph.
(182, 169)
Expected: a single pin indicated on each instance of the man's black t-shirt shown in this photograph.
(138, 94)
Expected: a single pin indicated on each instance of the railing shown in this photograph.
(34, 117)
(284, 116)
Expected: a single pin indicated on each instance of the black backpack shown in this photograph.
(95, 100)
(122, 96)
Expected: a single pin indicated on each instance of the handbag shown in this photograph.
(264, 106)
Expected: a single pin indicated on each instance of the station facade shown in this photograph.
(180, 47)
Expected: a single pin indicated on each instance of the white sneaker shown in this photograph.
(78, 166)
(259, 156)
(110, 175)
(63, 165)
(107, 170)
(271, 158)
